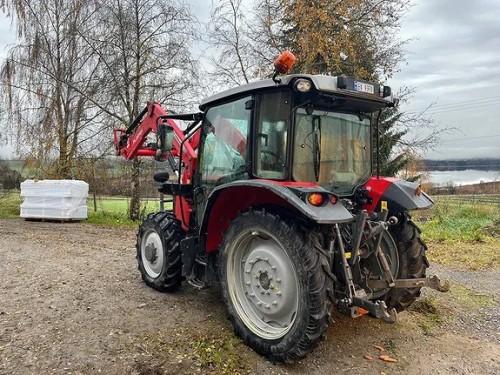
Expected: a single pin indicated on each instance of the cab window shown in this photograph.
(225, 143)
(271, 135)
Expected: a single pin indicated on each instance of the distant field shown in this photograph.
(120, 205)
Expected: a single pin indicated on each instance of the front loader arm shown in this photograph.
(131, 142)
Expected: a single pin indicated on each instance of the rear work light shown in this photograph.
(303, 85)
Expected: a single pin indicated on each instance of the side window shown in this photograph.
(271, 135)
(225, 143)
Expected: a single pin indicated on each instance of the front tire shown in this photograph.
(159, 255)
(276, 285)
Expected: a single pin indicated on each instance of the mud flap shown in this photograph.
(189, 249)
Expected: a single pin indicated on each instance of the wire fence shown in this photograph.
(471, 199)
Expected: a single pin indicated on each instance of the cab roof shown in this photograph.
(341, 85)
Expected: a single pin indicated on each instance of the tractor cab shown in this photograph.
(311, 129)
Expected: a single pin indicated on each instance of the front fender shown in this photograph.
(228, 200)
(399, 194)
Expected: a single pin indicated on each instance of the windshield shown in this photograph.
(332, 149)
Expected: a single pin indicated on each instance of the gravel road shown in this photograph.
(72, 302)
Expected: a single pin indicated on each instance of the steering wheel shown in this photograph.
(274, 154)
(265, 159)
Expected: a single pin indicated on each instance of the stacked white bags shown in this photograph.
(54, 199)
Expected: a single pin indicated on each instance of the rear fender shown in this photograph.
(400, 195)
(228, 200)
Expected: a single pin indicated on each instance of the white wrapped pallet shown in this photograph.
(54, 199)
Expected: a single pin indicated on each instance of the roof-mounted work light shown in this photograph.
(303, 85)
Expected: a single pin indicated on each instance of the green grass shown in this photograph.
(9, 204)
(464, 236)
(464, 222)
(114, 212)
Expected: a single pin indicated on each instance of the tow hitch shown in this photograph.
(378, 308)
(360, 305)
(431, 282)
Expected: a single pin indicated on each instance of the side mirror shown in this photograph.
(164, 139)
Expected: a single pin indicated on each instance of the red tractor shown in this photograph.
(274, 198)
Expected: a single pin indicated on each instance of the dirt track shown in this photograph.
(71, 301)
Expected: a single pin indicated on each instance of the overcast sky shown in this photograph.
(453, 60)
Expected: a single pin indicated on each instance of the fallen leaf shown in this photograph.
(386, 358)
(368, 357)
(378, 347)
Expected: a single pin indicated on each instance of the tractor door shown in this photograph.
(271, 135)
(224, 148)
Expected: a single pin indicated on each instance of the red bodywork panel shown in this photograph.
(376, 187)
(230, 203)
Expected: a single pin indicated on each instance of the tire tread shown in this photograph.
(171, 232)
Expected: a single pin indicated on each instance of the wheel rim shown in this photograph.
(152, 253)
(262, 283)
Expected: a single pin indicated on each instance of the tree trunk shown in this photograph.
(135, 202)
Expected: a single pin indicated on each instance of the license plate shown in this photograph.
(363, 87)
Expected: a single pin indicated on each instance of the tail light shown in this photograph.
(316, 199)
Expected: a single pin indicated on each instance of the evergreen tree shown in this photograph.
(356, 38)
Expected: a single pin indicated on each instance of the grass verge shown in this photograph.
(435, 309)
(465, 222)
(462, 236)
(466, 255)
(9, 205)
(204, 350)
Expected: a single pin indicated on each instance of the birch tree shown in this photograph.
(229, 36)
(83, 67)
(143, 47)
(47, 80)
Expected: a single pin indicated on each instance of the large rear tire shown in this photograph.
(276, 285)
(158, 251)
(412, 262)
